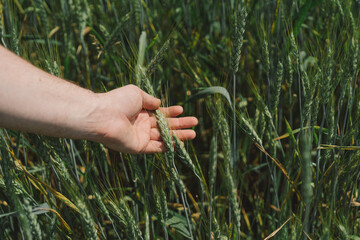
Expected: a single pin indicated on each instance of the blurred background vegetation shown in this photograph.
(273, 83)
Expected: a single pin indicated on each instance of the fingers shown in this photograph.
(155, 147)
(149, 102)
(181, 123)
(153, 121)
(168, 112)
(177, 123)
(155, 134)
(172, 111)
(183, 135)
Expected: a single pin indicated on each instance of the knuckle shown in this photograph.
(133, 88)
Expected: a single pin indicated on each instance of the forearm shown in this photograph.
(32, 100)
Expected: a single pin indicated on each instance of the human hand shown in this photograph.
(125, 121)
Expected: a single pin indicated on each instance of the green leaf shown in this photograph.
(155, 39)
(211, 90)
(303, 13)
(353, 237)
(40, 209)
(142, 47)
(178, 222)
(8, 214)
(36, 210)
(290, 132)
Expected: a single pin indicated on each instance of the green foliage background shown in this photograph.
(273, 83)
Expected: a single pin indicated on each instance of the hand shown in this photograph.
(126, 122)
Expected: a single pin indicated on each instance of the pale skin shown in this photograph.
(32, 100)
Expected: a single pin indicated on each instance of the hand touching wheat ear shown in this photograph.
(34, 101)
(131, 126)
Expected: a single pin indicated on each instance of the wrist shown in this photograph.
(104, 119)
(80, 116)
(93, 118)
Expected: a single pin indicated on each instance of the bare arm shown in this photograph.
(32, 100)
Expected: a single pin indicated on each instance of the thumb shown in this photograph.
(149, 102)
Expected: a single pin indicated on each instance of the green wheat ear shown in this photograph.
(39, 4)
(142, 77)
(306, 187)
(213, 162)
(277, 88)
(265, 56)
(157, 59)
(87, 221)
(161, 205)
(289, 71)
(131, 227)
(102, 206)
(249, 129)
(116, 32)
(237, 38)
(226, 147)
(326, 78)
(33, 220)
(12, 192)
(137, 10)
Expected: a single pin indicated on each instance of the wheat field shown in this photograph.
(274, 84)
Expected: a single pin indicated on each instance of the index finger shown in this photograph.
(149, 102)
(172, 111)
